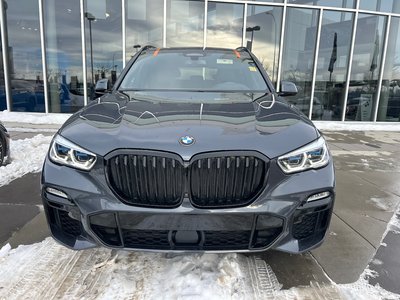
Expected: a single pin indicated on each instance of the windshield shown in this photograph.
(194, 70)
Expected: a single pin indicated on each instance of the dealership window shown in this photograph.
(365, 67)
(25, 61)
(185, 23)
(275, 1)
(263, 32)
(381, 5)
(103, 19)
(332, 66)
(224, 25)
(63, 55)
(328, 3)
(298, 54)
(389, 103)
(144, 24)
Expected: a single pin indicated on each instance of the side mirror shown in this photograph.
(99, 93)
(288, 88)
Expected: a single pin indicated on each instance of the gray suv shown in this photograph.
(192, 150)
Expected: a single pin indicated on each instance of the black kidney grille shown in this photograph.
(226, 181)
(211, 182)
(147, 180)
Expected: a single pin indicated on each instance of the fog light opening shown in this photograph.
(318, 196)
(56, 192)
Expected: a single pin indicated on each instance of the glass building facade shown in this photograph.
(343, 55)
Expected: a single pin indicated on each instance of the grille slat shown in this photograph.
(212, 182)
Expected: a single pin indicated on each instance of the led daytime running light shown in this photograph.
(318, 196)
(66, 153)
(312, 156)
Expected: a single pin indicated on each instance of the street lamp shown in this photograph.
(91, 18)
(252, 29)
(273, 64)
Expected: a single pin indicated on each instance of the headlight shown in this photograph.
(311, 156)
(66, 153)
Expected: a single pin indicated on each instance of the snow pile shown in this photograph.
(4, 250)
(33, 118)
(47, 270)
(362, 290)
(27, 156)
(395, 224)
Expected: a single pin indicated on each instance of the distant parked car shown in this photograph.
(4, 145)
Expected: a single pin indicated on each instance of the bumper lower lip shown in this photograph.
(166, 232)
(215, 232)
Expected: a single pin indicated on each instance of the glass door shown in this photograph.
(103, 37)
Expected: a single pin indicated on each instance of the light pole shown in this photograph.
(252, 29)
(91, 18)
(273, 63)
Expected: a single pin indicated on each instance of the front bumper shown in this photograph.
(280, 218)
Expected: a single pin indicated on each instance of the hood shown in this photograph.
(217, 122)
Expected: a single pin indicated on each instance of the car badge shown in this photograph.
(186, 140)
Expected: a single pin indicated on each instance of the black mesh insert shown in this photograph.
(108, 235)
(146, 239)
(227, 239)
(305, 226)
(308, 223)
(68, 224)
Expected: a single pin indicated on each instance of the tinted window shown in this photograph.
(197, 70)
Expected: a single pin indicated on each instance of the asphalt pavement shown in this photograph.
(368, 193)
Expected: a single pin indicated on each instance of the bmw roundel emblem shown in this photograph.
(186, 140)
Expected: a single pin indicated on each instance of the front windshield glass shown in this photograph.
(194, 70)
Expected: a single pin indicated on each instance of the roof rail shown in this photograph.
(242, 49)
(148, 47)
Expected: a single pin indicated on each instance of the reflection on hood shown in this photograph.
(267, 115)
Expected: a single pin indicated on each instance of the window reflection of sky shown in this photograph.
(24, 39)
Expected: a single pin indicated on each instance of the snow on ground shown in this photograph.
(385, 204)
(355, 126)
(27, 156)
(48, 270)
(22, 129)
(33, 118)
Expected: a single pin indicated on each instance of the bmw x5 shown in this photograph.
(192, 150)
